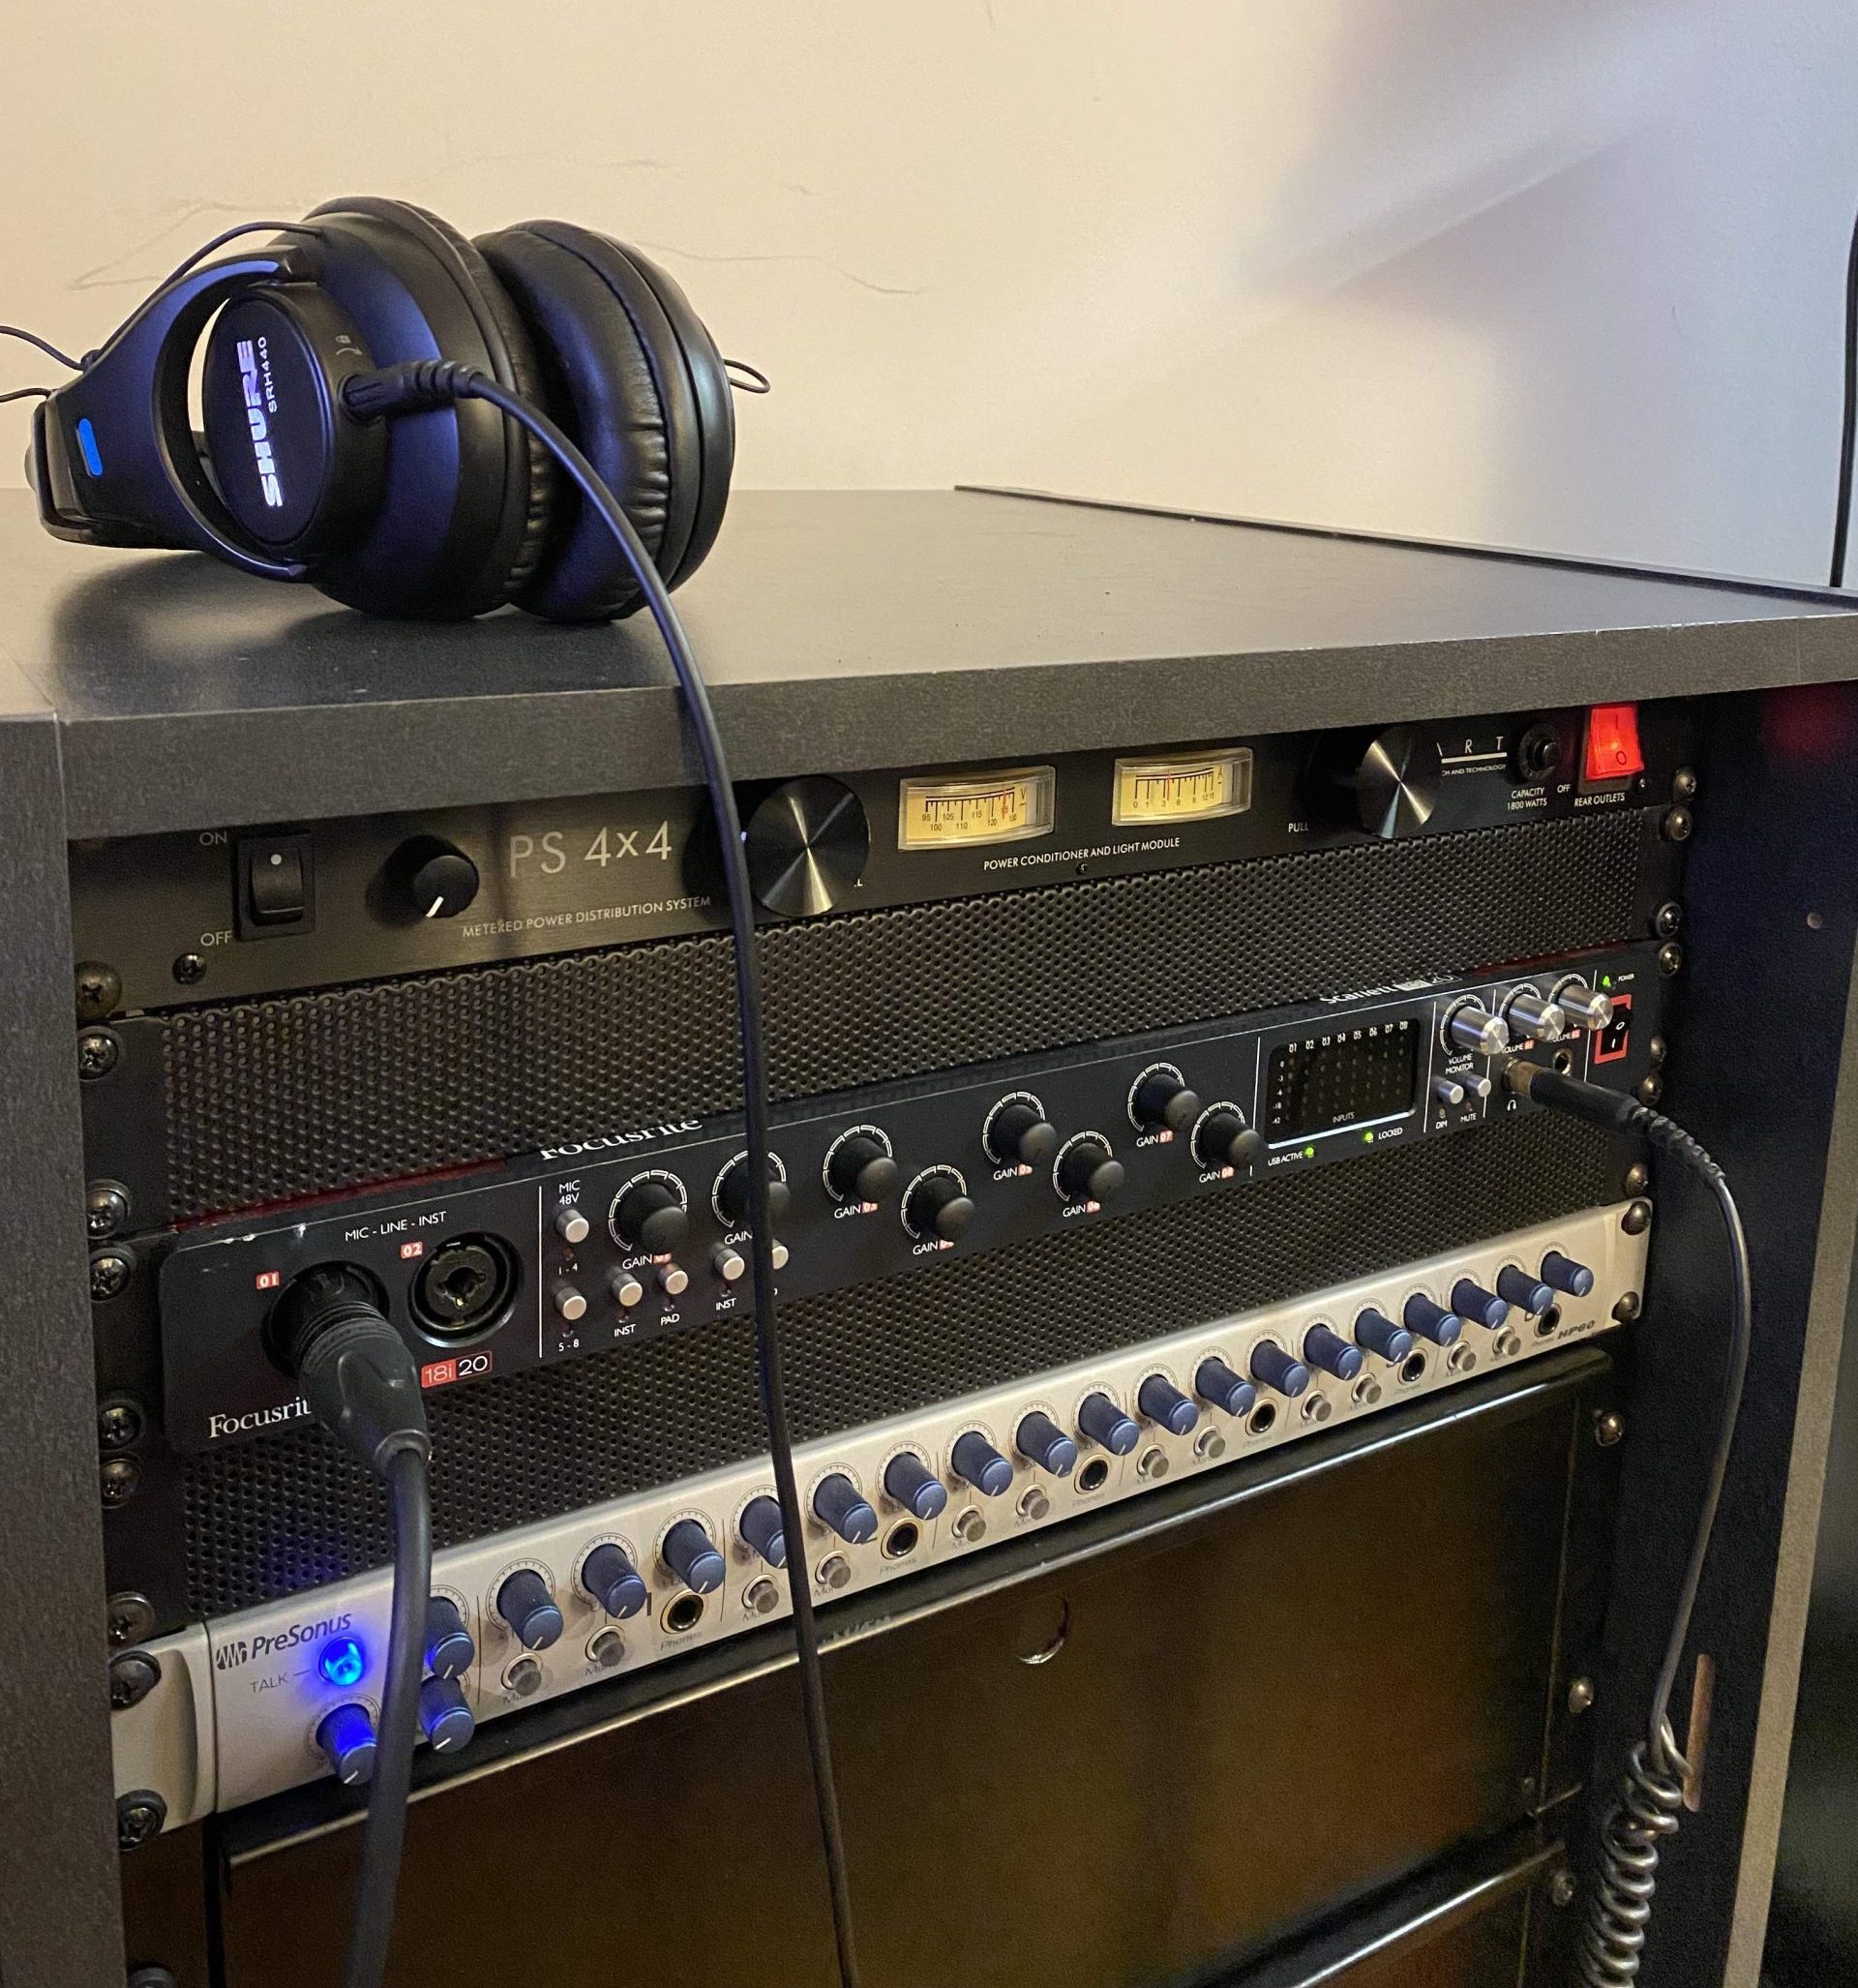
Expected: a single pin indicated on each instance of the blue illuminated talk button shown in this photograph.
(343, 1662)
(87, 443)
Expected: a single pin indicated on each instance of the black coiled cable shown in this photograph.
(1650, 1803)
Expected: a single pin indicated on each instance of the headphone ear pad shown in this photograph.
(637, 380)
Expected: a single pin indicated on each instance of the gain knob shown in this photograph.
(689, 1554)
(1229, 1392)
(651, 1216)
(1566, 1274)
(1378, 1333)
(860, 1168)
(444, 1716)
(1089, 1171)
(526, 1606)
(732, 1186)
(1105, 1424)
(1224, 1139)
(1273, 1367)
(346, 1737)
(1160, 1400)
(450, 1650)
(1326, 1348)
(938, 1205)
(1388, 789)
(427, 877)
(1018, 1135)
(762, 1531)
(978, 1463)
(1162, 1103)
(839, 1502)
(1527, 1013)
(1040, 1440)
(1591, 1006)
(807, 845)
(1530, 1294)
(1470, 1025)
(611, 1580)
(1430, 1321)
(915, 1485)
(1470, 1299)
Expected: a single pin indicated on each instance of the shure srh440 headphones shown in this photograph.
(446, 513)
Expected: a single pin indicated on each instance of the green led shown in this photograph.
(1310, 1153)
(1606, 980)
(1367, 1138)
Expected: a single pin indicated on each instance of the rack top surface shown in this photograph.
(844, 629)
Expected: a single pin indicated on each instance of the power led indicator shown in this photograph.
(342, 1662)
(1613, 751)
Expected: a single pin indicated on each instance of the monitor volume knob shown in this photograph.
(428, 878)
(842, 1506)
(807, 845)
(1018, 1135)
(915, 1487)
(1105, 1424)
(1164, 1104)
(861, 1169)
(762, 1531)
(1325, 1347)
(979, 1464)
(1042, 1441)
(649, 1215)
(689, 1554)
(1378, 1333)
(1470, 1025)
(1229, 1392)
(450, 1650)
(1089, 1170)
(346, 1737)
(1566, 1274)
(526, 1606)
(614, 1581)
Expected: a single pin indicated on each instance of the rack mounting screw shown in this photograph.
(1609, 1427)
(1667, 919)
(140, 1817)
(1581, 1695)
(110, 1271)
(132, 1676)
(100, 988)
(1637, 1218)
(118, 1425)
(99, 1051)
(1561, 1888)
(121, 1479)
(1677, 824)
(190, 968)
(1638, 1177)
(130, 1618)
(1684, 784)
(1670, 958)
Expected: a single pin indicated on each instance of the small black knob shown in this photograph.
(1326, 1348)
(937, 1206)
(1018, 1137)
(860, 1169)
(1040, 1440)
(1215, 1382)
(1090, 1171)
(1164, 1104)
(525, 1603)
(1538, 753)
(611, 1579)
(648, 1215)
(1273, 1367)
(1160, 1400)
(431, 879)
(731, 1191)
(763, 1530)
(1104, 1421)
(1225, 1139)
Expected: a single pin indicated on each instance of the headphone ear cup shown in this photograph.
(468, 499)
(639, 383)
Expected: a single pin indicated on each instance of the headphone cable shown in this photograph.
(425, 383)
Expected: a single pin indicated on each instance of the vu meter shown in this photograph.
(988, 808)
(1185, 787)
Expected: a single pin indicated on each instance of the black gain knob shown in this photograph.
(1164, 1104)
(1389, 786)
(938, 1205)
(731, 1191)
(1089, 1171)
(649, 1215)
(1018, 1135)
(430, 879)
(807, 845)
(861, 1169)
(1225, 1139)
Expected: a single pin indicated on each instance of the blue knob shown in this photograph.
(763, 1532)
(844, 1508)
(1215, 1382)
(689, 1555)
(614, 1581)
(1431, 1321)
(1528, 1293)
(1104, 1421)
(982, 1465)
(915, 1487)
(444, 1717)
(1160, 1400)
(1273, 1367)
(1470, 1299)
(525, 1603)
(1332, 1354)
(346, 1737)
(1566, 1274)
(449, 1649)
(1040, 1439)
(1378, 1333)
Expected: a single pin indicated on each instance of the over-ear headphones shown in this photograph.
(444, 513)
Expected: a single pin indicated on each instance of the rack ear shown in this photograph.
(114, 459)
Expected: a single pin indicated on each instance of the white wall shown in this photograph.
(1563, 273)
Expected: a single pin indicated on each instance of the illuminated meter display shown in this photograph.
(1186, 787)
(986, 807)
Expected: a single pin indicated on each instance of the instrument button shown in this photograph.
(627, 1292)
(727, 1262)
